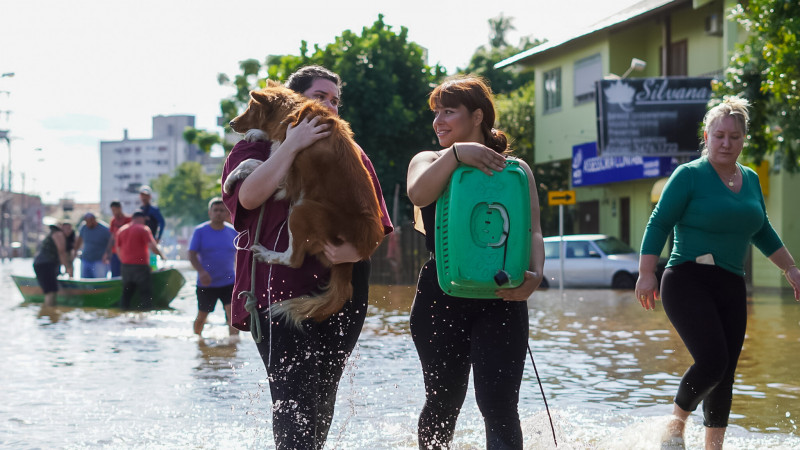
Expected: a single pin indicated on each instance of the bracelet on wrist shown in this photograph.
(787, 269)
(455, 153)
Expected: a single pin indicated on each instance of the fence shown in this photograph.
(400, 256)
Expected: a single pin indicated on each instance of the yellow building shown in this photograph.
(676, 39)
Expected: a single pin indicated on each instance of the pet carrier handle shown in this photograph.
(504, 214)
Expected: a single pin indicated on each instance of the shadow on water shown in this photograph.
(104, 378)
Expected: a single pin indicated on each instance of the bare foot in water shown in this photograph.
(672, 439)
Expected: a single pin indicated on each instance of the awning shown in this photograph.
(655, 192)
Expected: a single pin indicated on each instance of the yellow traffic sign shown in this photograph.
(561, 198)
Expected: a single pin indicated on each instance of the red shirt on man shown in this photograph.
(115, 225)
(133, 244)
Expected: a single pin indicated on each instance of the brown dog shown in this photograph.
(331, 194)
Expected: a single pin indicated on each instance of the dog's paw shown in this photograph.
(263, 254)
(281, 193)
(241, 172)
(254, 135)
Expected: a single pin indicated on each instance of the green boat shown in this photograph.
(102, 292)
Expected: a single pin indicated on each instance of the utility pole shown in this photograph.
(6, 222)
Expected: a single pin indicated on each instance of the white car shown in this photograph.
(592, 260)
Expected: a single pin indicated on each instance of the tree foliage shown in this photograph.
(516, 117)
(185, 194)
(384, 96)
(507, 79)
(765, 69)
(203, 139)
(387, 82)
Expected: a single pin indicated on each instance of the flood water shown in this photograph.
(86, 378)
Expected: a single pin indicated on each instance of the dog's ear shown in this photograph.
(272, 83)
(259, 96)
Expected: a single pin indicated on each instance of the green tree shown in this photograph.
(507, 79)
(499, 26)
(515, 116)
(203, 139)
(765, 69)
(384, 97)
(185, 195)
(387, 82)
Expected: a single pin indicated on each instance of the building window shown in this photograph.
(552, 90)
(587, 71)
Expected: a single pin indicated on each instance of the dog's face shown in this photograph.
(267, 108)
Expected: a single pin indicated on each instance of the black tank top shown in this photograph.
(429, 224)
(48, 251)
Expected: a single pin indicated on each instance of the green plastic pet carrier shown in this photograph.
(483, 231)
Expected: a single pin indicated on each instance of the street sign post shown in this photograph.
(561, 198)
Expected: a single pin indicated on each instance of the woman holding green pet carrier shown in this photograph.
(455, 334)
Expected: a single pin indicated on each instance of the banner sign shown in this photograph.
(650, 116)
(589, 169)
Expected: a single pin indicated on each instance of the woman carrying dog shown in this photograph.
(453, 335)
(716, 209)
(304, 364)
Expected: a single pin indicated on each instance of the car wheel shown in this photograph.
(623, 280)
(544, 284)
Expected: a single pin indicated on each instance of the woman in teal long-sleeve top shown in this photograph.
(716, 209)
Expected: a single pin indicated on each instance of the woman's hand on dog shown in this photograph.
(303, 134)
(344, 253)
(481, 157)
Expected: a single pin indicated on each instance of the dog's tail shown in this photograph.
(322, 306)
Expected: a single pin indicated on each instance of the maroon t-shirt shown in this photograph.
(273, 282)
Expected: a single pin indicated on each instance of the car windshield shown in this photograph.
(613, 246)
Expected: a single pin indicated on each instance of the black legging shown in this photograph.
(453, 334)
(707, 305)
(305, 367)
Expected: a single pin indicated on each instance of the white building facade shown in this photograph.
(128, 164)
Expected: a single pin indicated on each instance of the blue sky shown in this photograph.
(85, 70)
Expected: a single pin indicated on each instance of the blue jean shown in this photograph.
(93, 269)
(116, 265)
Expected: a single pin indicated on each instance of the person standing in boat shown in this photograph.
(50, 256)
(213, 255)
(92, 241)
(69, 233)
(133, 242)
(117, 221)
(716, 209)
(154, 220)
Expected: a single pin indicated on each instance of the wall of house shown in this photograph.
(781, 203)
(571, 125)
(707, 55)
(640, 41)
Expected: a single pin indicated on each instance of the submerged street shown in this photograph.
(102, 378)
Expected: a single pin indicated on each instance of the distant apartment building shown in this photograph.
(130, 163)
